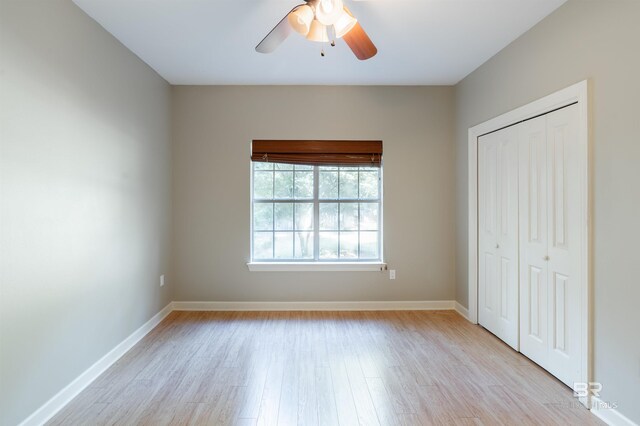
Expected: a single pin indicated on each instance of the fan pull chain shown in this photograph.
(331, 36)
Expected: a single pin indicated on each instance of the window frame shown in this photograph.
(316, 263)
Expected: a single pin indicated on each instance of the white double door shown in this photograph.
(529, 240)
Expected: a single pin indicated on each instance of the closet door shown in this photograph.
(550, 244)
(533, 240)
(564, 245)
(498, 238)
(487, 231)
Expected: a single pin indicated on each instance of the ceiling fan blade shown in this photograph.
(360, 43)
(276, 36)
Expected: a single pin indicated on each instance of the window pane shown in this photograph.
(263, 185)
(262, 166)
(304, 245)
(262, 245)
(348, 184)
(349, 216)
(304, 185)
(283, 215)
(283, 185)
(282, 166)
(328, 245)
(369, 216)
(349, 245)
(328, 216)
(283, 245)
(368, 185)
(369, 245)
(304, 216)
(328, 186)
(262, 216)
(286, 230)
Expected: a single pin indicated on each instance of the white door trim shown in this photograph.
(572, 94)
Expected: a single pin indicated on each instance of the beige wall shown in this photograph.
(598, 40)
(85, 198)
(213, 127)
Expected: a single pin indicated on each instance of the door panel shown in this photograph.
(504, 288)
(487, 237)
(559, 304)
(550, 243)
(564, 244)
(533, 240)
(498, 234)
(507, 200)
(536, 293)
(490, 272)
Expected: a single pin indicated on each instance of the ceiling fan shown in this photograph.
(321, 21)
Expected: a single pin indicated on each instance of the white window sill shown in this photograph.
(316, 266)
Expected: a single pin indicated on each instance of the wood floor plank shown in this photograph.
(397, 390)
(229, 409)
(288, 406)
(325, 368)
(345, 404)
(361, 395)
(307, 393)
(382, 402)
(252, 394)
(410, 419)
(270, 402)
(327, 410)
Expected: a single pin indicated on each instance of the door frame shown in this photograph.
(577, 93)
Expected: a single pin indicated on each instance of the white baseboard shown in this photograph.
(62, 398)
(425, 305)
(609, 415)
(462, 310)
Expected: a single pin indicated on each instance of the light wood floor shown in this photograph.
(330, 368)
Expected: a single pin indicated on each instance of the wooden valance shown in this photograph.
(328, 152)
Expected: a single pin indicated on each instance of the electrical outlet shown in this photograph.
(392, 274)
(162, 280)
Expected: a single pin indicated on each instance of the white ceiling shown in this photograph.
(420, 42)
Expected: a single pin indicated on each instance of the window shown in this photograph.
(304, 213)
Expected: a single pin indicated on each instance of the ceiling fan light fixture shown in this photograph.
(300, 19)
(344, 24)
(321, 21)
(318, 32)
(329, 11)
